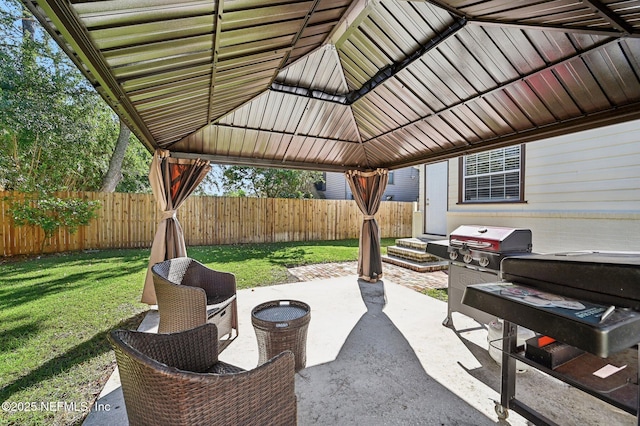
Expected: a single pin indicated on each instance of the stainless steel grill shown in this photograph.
(486, 246)
(475, 253)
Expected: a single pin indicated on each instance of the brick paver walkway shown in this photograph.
(415, 280)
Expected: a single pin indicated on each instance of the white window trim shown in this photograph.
(520, 176)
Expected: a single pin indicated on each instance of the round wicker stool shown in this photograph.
(281, 325)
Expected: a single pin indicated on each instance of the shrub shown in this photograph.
(51, 213)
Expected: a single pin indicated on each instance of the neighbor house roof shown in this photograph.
(342, 84)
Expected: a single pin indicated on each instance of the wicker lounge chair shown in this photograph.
(176, 379)
(189, 294)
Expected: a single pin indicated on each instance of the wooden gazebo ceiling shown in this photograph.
(342, 84)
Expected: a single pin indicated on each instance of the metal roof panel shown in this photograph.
(407, 82)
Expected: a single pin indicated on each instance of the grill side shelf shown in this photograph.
(577, 327)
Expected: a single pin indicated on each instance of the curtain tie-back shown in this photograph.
(168, 214)
(369, 217)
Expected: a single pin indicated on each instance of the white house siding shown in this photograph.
(582, 192)
(405, 186)
(337, 187)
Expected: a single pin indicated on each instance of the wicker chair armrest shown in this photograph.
(264, 395)
(195, 297)
(181, 307)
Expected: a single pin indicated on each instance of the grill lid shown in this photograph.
(491, 238)
(605, 277)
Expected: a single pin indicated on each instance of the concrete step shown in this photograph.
(411, 254)
(412, 243)
(416, 266)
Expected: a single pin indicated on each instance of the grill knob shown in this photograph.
(453, 255)
(483, 261)
(467, 258)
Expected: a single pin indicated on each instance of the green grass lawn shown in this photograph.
(56, 310)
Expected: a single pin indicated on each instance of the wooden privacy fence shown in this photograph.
(130, 221)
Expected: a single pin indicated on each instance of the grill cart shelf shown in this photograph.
(619, 390)
(565, 297)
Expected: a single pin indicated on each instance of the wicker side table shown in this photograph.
(282, 325)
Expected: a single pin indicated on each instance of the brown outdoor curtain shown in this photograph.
(172, 181)
(367, 189)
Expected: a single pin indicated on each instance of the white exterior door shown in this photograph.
(435, 214)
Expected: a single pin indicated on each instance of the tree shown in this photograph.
(271, 183)
(114, 174)
(212, 182)
(56, 133)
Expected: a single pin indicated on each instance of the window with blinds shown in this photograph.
(492, 176)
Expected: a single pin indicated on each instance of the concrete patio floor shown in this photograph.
(378, 354)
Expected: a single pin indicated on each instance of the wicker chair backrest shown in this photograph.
(182, 271)
(191, 350)
(173, 270)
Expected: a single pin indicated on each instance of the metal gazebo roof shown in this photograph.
(342, 84)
